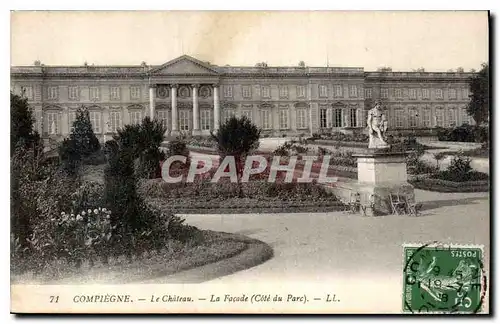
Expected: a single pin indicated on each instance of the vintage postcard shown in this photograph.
(308, 162)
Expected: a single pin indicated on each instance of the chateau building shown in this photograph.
(194, 97)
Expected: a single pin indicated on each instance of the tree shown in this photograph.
(479, 104)
(302, 64)
(83, 135)
(81, 143)
(237, 137)
(21, 125)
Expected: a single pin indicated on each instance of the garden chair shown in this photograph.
(412, 207)
(354, 202)
(371, 205)
(398, 204)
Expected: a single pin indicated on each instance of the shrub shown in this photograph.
(143, 141)
(120, 193)
(21, 124)
(290, 148)
(460, 166)
(464, 133)
(178, 147)
(421, 167)
(70, 157)
(237, 137)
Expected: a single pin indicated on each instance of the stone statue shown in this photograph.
(377, 127)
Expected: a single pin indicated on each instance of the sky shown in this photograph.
(403, 40)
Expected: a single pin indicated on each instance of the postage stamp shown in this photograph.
(443, 278)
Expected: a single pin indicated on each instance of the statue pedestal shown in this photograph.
(380, 174)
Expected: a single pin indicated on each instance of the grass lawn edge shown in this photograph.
(256, 253)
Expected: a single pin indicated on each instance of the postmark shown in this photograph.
(442, 278)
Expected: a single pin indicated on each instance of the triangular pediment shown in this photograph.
(184, 65)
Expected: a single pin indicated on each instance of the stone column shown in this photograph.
(196, 111)
(216, 107)
(175, 130)
(152, 94)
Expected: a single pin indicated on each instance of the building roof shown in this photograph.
(187, 65)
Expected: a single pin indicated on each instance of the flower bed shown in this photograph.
(205, 196)
(177, 256)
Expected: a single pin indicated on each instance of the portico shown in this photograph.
(186, 96)
(186, 91)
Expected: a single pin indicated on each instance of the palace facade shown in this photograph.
(193, 97)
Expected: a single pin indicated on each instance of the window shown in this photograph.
(115, 121)
(439, 117)
(439, 94)
(114, 93)
(27, 92)
(162, 116)
(228, 91)
(135, 117)
(398, 93)
(71, 120)
(184, 120)
(301, 91)
(284, 118)
(135, 92)
(206, 119)
(266, 119)
(246, 91)
(368, 93)
(425, 93)
(284, 91)
(52, 123)
(451, 117)
(39, 121)
(353, 91)
(227, 114)
(413, 93)
(73, 93)
(52, 92)
(466, 119)
(337, 117)
(95, 120)
(384, 93)
(94, 93)
(465, 93)
(413, 117)
(452, 93)
(322, 118)
(426, 117)
(247, 114)
(337, 90)
(399, 118)
(353, 117)
(323, 90)
(266, 91)
(301, 118)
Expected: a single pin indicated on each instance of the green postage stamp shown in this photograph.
(442, 278)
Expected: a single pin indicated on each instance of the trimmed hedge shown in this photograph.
(439, 185)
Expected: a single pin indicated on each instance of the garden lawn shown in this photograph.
(208, 248)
